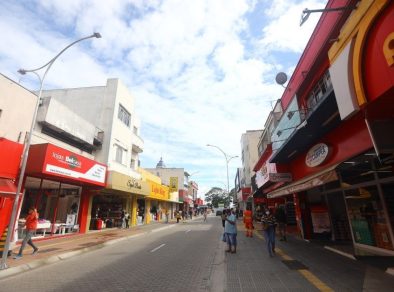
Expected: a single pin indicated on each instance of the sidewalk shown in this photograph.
(298, 266)
(61, 248)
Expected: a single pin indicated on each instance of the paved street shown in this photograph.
(190, 256)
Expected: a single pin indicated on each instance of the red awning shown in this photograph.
(7, 188)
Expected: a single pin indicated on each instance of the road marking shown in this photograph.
(160, 246)
(188, 231)
(311, 278)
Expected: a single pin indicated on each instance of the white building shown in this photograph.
(110, 111)
(175, 178)
(102, 122)
(249, 157)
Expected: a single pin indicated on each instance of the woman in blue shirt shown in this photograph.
(230, 230)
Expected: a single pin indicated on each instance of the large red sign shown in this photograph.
(379, 56)
(56, 161)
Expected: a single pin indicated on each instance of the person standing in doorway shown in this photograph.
(248, 221)
(127, 219)
(269, 223)
(31, 227)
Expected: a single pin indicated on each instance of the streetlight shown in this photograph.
(307, 12)
(3, 264)
(228, 158)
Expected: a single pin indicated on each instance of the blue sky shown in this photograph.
(201, 71)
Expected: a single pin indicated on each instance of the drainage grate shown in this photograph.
(295, 265)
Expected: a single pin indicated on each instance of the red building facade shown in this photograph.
(338, 113)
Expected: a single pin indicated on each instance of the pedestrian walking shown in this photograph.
(191, 213)
(248, 221)
(230, 231)
(269, 223)
(167, 213)
(205, 215)
(183, 215)
(224, 215)
(31, 227)
(281, 218)
(177, 216)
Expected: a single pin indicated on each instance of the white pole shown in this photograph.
(11, 225)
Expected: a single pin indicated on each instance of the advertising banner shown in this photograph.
(60, 162)
(173, 184)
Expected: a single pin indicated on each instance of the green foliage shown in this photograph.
(217, 196)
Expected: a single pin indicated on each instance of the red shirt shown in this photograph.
(31, 221)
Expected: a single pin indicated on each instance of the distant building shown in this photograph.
(249, 142)
(177, 179)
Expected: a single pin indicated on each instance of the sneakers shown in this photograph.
(17, 257)
(35, 251)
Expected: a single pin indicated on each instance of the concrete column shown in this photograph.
(134, 211)
(147, 211)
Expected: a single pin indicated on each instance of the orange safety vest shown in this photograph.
(248, 216)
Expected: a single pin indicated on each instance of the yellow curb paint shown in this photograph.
(311, 278)
(315, 281)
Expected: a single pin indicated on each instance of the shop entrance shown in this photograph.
(140, 211)
(107, 211)
(57, 205)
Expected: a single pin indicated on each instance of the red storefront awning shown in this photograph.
(7, 188)
(307, 183)
(50, 161)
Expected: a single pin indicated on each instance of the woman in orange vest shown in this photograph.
(248, 221)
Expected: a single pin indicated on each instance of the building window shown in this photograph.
(132, 164)
(124, 115)
(319, 90)
(119, 154)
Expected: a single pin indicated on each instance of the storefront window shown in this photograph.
(388, 194)
(107, 211)
(367, 218)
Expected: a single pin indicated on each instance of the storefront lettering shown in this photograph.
(158, 191)
(133, 183)
(72, 161)
(388, 49)
(317, 155)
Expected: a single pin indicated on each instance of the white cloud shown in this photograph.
(196, 72)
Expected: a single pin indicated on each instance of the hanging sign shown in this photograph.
(317, 155)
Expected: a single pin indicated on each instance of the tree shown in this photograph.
(217, 196)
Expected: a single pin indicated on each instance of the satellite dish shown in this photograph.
(281, 78)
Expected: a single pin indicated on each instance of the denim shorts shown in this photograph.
(231, 239)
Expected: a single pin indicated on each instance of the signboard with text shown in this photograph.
(60, 162)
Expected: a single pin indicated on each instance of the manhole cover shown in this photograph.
(295, 265)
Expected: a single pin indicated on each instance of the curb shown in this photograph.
(342, 253)
(67, 255)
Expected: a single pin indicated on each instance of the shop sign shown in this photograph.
(134, 183)
(317, 155)
(62, 162)
(173, 184)
(280, 177)
(122, 182)
(159, 191)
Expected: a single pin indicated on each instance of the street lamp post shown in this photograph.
(3, 264)
(228, 158)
